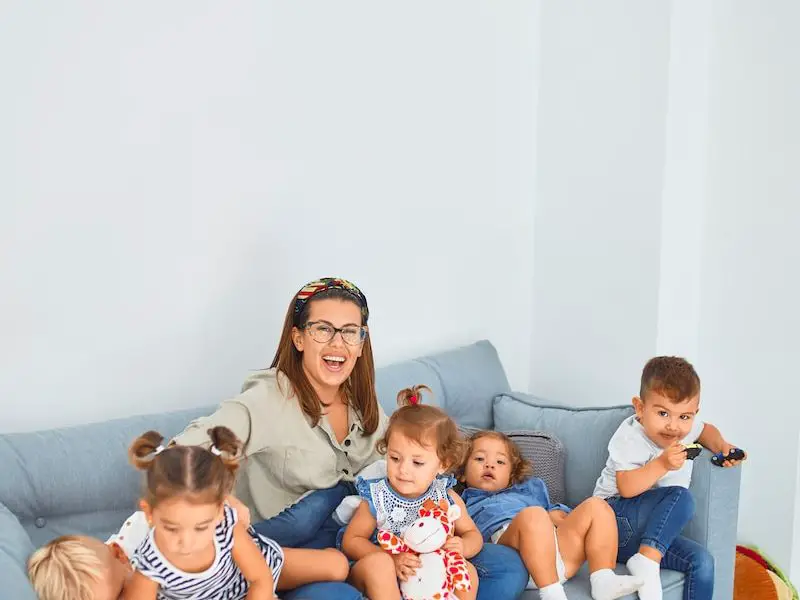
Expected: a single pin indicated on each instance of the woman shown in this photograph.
(311, 422)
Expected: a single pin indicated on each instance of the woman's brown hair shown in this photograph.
(191, 472)
(359, 388)
(425, 424)
(521, 467)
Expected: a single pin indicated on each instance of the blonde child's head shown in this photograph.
(493, 462)
(185, 487)
(420, 442)
(668, 400)
(77, 568)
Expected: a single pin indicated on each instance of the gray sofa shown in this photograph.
(77, 480)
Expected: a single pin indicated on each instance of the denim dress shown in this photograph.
(492, 510)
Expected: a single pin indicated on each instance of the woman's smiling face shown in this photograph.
(329, 364)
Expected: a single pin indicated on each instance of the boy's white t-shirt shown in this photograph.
(131, 534)
(630, 448)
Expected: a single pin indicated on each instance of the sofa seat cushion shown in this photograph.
(578, 588)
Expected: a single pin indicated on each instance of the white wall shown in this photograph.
(600, 157)
(751, 293)
(666, 222)
(171, 173)
(685, 173)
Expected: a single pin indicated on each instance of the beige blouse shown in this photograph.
(285, 456)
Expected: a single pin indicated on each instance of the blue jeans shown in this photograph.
(502, 574)
(326, 590)
(310, 524)
(656, 519)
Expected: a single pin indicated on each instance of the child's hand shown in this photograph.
(673, 456)
(726, 448)
(406, 564)
(454, 544)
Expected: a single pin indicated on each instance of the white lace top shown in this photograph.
(392, 511)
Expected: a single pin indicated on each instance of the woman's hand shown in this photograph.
(406, 564)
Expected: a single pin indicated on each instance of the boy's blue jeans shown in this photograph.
(310, 524)
(656, 519)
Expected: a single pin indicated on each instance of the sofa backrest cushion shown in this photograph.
(584, 432)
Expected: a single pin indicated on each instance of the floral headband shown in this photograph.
(329, 283)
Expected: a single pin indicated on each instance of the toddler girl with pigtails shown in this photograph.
(197, 546)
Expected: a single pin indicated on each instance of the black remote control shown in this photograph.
(735, 454)
(693, 451)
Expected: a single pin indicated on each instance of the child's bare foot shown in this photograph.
(607, 585)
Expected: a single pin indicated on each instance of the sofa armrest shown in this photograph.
(15, 547)
(716, 494)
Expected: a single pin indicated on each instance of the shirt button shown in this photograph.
(40, 522)
(345, 471)
(347, 442)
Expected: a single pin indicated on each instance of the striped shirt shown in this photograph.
(223, 580)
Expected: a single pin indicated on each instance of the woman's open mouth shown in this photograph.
(333, 363)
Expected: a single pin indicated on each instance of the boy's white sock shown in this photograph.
(554, 591)
(607, 585)
(650, 573)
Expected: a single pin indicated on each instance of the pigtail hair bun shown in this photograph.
(412, 396)
(227, 446)
(144, 449)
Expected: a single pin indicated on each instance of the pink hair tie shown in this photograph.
(413, 400)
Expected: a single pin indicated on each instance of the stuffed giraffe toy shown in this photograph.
(442, 573)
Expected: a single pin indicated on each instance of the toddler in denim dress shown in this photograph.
(513, 509)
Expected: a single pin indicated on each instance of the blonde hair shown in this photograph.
(424, 424)
(65, 569)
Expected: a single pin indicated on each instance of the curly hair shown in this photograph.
(425, 424)
(521, 467)
(670, 376)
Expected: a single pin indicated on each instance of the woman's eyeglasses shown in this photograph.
(323, 332)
